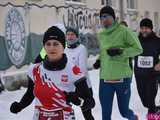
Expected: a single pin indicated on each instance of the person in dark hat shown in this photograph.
(147, 65)
(77, 53)
(40, 57)
(117, 44)
(54, 83)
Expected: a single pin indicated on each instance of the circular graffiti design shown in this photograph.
(15, 37)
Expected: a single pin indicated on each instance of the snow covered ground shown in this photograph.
(6, 98)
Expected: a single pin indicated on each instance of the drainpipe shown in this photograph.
(121, 6)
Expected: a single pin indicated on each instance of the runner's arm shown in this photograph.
(26, 99)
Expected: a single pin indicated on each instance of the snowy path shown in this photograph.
(6, 98)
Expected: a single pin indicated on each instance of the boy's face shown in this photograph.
(106, 20)
(71, 36)
(145, 31)
(54, 50)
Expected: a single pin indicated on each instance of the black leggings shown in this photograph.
(147, 89)
(88, 115)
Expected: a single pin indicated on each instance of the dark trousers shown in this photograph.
(147, 90)
(88, 115)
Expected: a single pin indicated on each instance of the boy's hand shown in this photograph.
(157, 67)
(114, 51)
(15, 107)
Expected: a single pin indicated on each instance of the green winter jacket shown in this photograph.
(118, 36)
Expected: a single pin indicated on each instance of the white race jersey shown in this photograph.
(62, 80)
(79, 57)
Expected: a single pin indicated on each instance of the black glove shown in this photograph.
(88, 104)
(16, 107)
(85, 93)
(114, 51)
(96, 65)
(72, 97)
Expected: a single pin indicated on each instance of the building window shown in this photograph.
(156, 18)
(131, 4)
(76, 0)
(109, 2)
(156, 21)
(102, 2)
(113, 3)
(146, 14)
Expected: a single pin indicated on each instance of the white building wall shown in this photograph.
(40, 14)
(151, 7)
(40, 19)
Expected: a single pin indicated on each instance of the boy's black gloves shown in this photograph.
(96, 65)
(16, 107)
(85, 93)
(72, 97)
(86, 104)
(114, 51)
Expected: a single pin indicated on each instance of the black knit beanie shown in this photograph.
(146, 22)
(74, 30)
(56, 34)
(107, 10)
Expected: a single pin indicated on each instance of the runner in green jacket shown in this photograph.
(118, 36)
(117, 44)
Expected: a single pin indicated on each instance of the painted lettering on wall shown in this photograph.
(82, 19)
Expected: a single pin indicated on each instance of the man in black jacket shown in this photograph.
(147, 66)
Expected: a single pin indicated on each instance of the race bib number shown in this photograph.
(50, 115)
(145, 61)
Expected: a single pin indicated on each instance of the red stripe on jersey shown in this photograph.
(48, 94)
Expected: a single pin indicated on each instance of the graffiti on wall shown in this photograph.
(81, 18)
(19, 48)
(15, 36)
